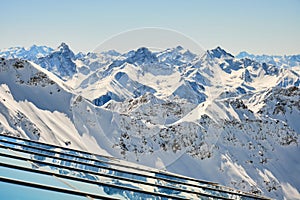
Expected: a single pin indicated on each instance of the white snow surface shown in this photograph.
(213, 117)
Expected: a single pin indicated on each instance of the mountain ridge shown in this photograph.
(279, 61)
(214, 116)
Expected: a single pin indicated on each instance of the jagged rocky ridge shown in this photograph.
(212, 116)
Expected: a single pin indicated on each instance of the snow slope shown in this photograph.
(214, 116)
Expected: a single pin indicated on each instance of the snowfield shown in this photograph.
(231, 120)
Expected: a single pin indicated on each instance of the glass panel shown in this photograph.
(32, 177)
(108, 180)
(54, 148)
(97, 163)
(15, 162)
(101, 179)
(91, 188)
(28, 176)
(13, 191)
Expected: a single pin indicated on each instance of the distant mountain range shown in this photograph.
(223, 118)
(279, 61)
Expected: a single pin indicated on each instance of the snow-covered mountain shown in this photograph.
(32, 53)
(60, 62)
(279, 61)
(211, 116)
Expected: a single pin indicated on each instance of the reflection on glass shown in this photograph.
(97, 174)
(13, 191)
(31, 177)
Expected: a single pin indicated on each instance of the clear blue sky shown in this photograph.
(257, 26)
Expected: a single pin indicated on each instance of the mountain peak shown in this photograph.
(244, 54)
(34, 46)
(111, 52)
(143, 50)
(179, 48)
(142, 55)
(63, 47)
(176, 55)
(60, 62)
(219, 52)
(35, 49)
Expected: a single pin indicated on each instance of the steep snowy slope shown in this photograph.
(279, 103)
(206, 146)
(214, 116)
(36, 104)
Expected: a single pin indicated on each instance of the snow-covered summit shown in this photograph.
(61, 62)
(218, 52)
(64, 49)
(177, 55)
(140, 56)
